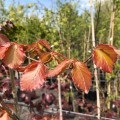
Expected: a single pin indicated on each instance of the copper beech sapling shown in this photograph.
(37, 70)
(35, 73)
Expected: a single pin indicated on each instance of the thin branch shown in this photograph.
(13, 103)
(95, 69)
(78, 114)
(14, 90)
(89, 58)
(60, 55)
(6, 108)
(59, 98)
(33, 59)
(5, 70)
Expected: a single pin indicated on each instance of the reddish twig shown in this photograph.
(6, 108)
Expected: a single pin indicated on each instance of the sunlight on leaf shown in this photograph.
(104, 57)
(44, 43)
(21, 68)
(4, 115)
(3, 39)
(33, 77)
(34, 50)
(81, 76)
(3, 49)
(46, 57)
(118, 52)
(59, 68)
(14, 56)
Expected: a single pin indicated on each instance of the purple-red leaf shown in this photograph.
(14, 56)
(104, 57)
(81, 76)
(46, 57)
(118, 52)
(21, 68)
(60, 68)
(3, 49)
(33, 77)
(44, 43)
(3, 39)
(4, 115)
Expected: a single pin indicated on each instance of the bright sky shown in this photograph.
(83, 4)
(47, 3)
